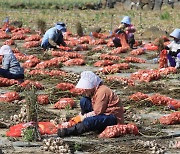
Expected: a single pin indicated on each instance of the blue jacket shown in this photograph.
(10, 63)
(53, 34)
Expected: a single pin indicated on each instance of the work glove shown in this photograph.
(76, 119)
(81, 117)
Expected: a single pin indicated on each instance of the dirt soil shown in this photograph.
(144, 114)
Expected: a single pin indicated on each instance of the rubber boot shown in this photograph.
(77, 129)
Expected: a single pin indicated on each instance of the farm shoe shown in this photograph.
(62, 132)
(77, 129)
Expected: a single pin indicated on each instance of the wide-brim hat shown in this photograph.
(176, 33)
(88, 80)
(5, 49)
(61, 28)
(126, 20)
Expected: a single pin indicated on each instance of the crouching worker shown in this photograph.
(11, 68)
(54, 37)
(100, 107)
(174, 49)
(127, 28)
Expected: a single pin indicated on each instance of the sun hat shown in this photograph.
(88, 80)
(61, 23)
(126, 20)
(176, 33)
(61, 28)
(5, 49)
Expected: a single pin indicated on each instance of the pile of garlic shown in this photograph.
(153, 146)
(21, 117)
(56, 145)
(56, 121)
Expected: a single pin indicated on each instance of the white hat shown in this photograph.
(5, 49)
(88, 80)
(126, 20)
(176, 33)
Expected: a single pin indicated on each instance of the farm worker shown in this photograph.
(6, 24)
(127, 28)
(54, 36)
(100, 107)
(174, 49)
(11, 68)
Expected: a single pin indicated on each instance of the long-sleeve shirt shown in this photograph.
(105, 101)
(129, 30)
(10, 63)
(174, 46)
(52, 34)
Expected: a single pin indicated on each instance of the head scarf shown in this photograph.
(5, 50)
(88, 80)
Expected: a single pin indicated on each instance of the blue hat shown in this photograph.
(176, 33)
(126, 20)
(61, 28)
(61, 23)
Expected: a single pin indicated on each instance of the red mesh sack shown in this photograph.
(35, 37)
(121, 79)
(110, 43)
(47, 128)
(123, 39)
(138, 96)
(138, 51)
(44, 128)
(84, 39)
(65, 48)
(9, 97)
(65, 86)
(57, 73)
(63, 103)
(76, 61)
(134, 60)
(81, 47)
(15, 131)
(7, 82)
(119, 130)
(43, 99)
(37, 72)
(163, 59)
(31, 44)
(9, 42)
(3, 35)
(168, 70)
(103, 63)
(29, 84)
(109, 57)
(18, 37)
(98, 42)
(98, 48)
(76, 91)
(173, 118)
(151, 47)
(159, 99)
(174, 104)
(109, 69)
(119, 50)
(31, 62)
